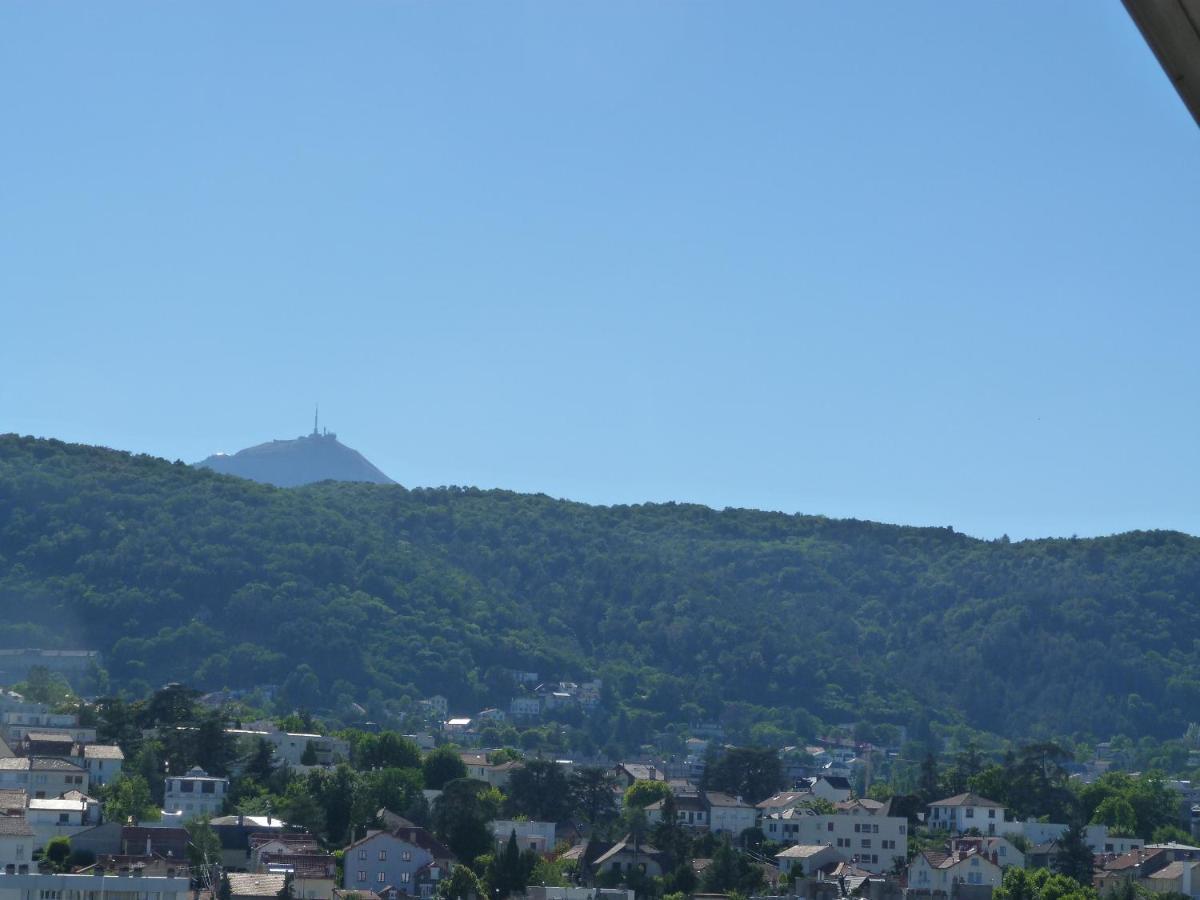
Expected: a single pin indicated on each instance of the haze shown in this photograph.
(924, 263)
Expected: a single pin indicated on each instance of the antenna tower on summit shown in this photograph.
(316, 411)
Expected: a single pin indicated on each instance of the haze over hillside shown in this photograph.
(771, 624)
(310, 458)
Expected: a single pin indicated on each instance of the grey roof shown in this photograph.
(12, 798)
(15, 826)
(58, 737)
(248, 884)
(39, 763)
(716, 798)
(967, 799)
(102, 751)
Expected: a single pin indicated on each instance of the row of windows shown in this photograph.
(405, 855)
(381, 877)
(189, 787)
(866, 828)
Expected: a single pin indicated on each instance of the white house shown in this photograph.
(963, 812)
(59, 817)
(535, 836)
(868, 839)
(102, 762)
(110, 887)
(690, 811)
(999, 850)
(784, 801)
(16, 844)
(42, 776)
(194, 794)
(289, 747)
(808, 858)
(529, 707)
(931, 871)
(1095, 836)
(833, 788)
(729, 815)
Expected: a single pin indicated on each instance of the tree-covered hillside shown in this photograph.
(383, 594)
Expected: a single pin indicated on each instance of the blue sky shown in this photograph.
(929, 263)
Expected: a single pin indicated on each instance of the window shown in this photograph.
(381, 877)
(362, 876)
(208, 787)
(383, 856)
(856, 827)
(405, 877)
(970, 812)
(875, 829)
(903, 829)
(187, 787)
(64, 819)
(991, 814)
(830, 827)
(866, 843)
(362, 853)
(406, 855)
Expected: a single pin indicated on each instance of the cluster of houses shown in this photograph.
(532, 700)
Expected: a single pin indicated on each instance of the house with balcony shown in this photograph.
(964, 812)
(938, 873)
(195, 794)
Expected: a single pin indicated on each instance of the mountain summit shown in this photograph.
(319, 456)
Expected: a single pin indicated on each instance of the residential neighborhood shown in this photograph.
(263, 809)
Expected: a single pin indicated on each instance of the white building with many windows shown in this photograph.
(42, 776)
(962, 812)
(861, 833)
(195, 794)
(939, 872)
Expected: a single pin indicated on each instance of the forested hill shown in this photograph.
(687, 613)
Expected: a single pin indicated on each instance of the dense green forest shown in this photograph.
(382, 595)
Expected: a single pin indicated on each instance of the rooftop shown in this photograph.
(14, 826)
(967, 799)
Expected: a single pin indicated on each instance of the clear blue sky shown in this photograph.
(930, 263)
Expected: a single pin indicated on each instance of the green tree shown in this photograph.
(442, 766)
(461, 817)
(642, 793)
(540, 790)
(592, 794)
(1117, 813)
(57, 852)
(508, 872)
(1074, 857)
(259, 763)
(309, 756)
(752, 773)
(127, 798)
(462, 884)
(204, 847)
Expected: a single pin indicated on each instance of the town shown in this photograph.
(175, 796)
